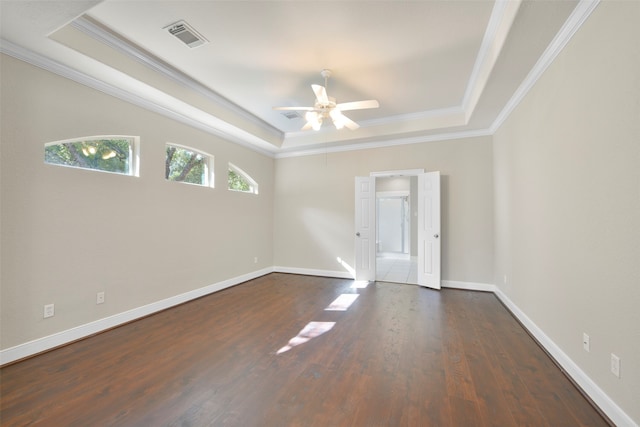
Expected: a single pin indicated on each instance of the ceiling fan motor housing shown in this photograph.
(326, 107)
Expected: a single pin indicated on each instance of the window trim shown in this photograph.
(253, 184)
(209, 165)
(134, 152)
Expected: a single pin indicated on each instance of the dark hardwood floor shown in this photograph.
(401, 355)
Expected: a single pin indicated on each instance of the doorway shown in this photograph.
(395, 229)
(427, 211)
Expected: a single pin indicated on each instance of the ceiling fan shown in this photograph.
(325, 107)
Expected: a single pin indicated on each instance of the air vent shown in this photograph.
(291, 115)
(186, 34)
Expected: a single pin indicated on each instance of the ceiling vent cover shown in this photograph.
(186, 34)
(291, 115)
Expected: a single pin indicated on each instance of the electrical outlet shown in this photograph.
(505, 279)
(615, 365)
(100, 298)
(255, 260)
(586, 343)
(49, 310)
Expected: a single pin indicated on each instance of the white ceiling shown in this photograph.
(437, 68)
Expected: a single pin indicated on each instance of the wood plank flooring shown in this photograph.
(400, 355)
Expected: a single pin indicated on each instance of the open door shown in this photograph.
(429, 230)
(365, 228)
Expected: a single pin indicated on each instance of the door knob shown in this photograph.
(436, 236)
(358, 234)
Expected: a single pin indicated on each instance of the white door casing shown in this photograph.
(429, 230)
(365, 263)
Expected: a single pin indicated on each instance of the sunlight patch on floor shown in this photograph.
(342, 303)
(360, 284)
(310, 331)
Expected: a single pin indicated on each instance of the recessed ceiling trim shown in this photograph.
(442, 123)
(420, 115)
(502, 16)
(93, 29)
(319, 149)
(449, 117)
(500, 21)
(196, 118)
(569, 28)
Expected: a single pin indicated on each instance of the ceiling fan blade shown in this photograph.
(358, 105)
(340, 120)
(294, 108)
(307, 126)
(350, 124)
(321, 94)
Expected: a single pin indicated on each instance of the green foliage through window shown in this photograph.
(237, 182)
(240, 181)
(185, 165)
(109, 154)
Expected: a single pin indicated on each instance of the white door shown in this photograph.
(429, 230)
(365, 228)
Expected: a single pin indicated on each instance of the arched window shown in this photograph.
(239, 180)
(184, 164)
(115, 154)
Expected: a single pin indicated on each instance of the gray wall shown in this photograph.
(314, 204)
(567, 200)
(69, 233)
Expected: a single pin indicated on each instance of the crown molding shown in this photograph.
(502, 16)
(55, 67)
(570, 27)
(420, 115)
(98, 32)
(502, 10)
(318, 149)
(212, 125)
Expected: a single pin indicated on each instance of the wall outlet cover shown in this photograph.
(586, 342)
(615, 365)
(49, 310)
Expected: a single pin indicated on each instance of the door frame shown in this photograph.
(384, 174)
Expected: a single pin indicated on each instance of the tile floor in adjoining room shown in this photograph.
(394, 267)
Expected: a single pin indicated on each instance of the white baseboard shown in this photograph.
(599, 397)
(313, 272)
(469, 286)
(55, 340)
